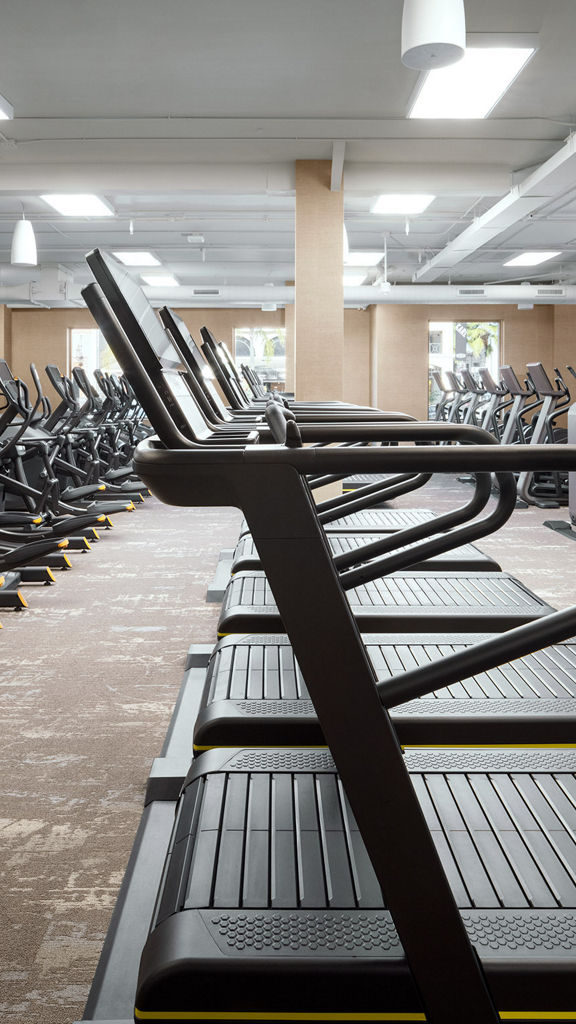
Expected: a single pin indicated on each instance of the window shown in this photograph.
(263, 349)
(88, 349)
(455, 345)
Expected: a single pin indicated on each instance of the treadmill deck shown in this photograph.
(404, 602)
(255, 695)
(466, 558)
(380, 520)
(269, 903)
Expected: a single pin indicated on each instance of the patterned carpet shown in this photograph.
(91, 673)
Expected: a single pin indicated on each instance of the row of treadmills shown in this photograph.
(378, 822)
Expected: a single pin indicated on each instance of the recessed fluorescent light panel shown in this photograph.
(531, 259)
(473, 87)
(363, 259)
(402, 205)
(160, 280)
(79, 205)
(131, 258)
(6, 109)
(353, 280)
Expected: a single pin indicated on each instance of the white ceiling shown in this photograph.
(187, 117)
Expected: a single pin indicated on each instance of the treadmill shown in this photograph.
(335, 412)
(312, 884)
(306, 885)
(254, 684)
(386, 594)
(462, 602)
(163, 362)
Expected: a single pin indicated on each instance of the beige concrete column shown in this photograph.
(290, 349)
(319, 303)
(5, 333)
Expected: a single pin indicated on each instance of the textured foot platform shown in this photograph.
(269, 904)
(405, 602)
(255, 695)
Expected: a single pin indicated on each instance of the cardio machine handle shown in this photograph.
(515, 643)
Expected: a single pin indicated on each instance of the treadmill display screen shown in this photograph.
(130, 293)
(185, 401)
(190, 347)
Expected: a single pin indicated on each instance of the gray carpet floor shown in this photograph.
(91, 671)
(90, 674)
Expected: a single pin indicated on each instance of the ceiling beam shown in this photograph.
(338, 151)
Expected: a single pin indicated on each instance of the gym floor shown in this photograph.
(91, 673)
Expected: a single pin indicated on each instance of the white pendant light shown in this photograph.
(23, 252)
(433, 33)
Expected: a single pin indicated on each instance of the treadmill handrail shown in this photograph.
(481, 657)
(366, 497)
(439, 545)
(479, 500)
(432, 458)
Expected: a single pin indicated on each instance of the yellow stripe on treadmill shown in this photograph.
(254, 747)
(252, 1015)
(537, 1015)
(446, 746)
(490, 746)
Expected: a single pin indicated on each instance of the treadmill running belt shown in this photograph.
(406, 601)
(269, 904)
(351, 483)
(255, 695)
(466, 558)
(381, 520)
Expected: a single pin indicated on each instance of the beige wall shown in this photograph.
(399, 336)
(565, 338)
(5, 333)
(39, 336)
(356, 370)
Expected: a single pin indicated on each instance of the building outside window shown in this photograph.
(88, 349)
(455, 345)
(263, 349)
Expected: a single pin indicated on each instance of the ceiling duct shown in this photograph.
(56, 290)
(553, 178)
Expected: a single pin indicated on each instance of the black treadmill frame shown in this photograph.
(269, 485)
